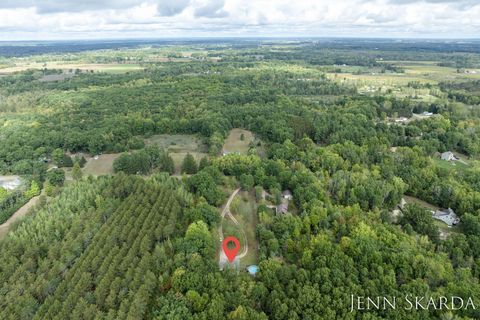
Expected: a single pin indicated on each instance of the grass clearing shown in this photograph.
(421, 203)
(451, 165)
(244, 209)
(101, 166)
(177, 142)
(234, 142)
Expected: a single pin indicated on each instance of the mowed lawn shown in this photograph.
(234, 143)
(421, 203)
(245, 211)
(451, 165)
(101, 166)
(178, 146)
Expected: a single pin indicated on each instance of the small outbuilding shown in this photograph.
(252, 270)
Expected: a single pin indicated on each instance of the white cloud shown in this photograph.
(55, 19)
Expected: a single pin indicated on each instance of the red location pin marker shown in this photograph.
(231, 253)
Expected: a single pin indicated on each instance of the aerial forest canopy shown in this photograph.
(344, 155)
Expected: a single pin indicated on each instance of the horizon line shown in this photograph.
(246, 37)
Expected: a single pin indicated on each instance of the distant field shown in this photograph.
(101, 166)
(178, 145)
(371, 81)
(104, 67)
(234, 144)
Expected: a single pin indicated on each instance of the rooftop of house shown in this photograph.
(448, 155)
(286, 193)
(282, 208)
(448, 216)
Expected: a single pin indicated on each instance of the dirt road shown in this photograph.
(226, 212)
(17, 215)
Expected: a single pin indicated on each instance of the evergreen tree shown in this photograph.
(76, 172)
(56, 177)
(166, 163)
(189, 166)
(204, 162)
(57, 156)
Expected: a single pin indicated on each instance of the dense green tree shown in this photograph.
(247, 181)
(189, 165)
(421, 221)
(56, 177)
(76, 172)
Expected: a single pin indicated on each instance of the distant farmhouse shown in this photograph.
(448, 156)
(448, 216)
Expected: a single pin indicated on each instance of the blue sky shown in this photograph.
(100, 19)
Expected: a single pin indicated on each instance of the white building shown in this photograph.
(448, 216)
(401, 120)
(448, 156)
(287, 194)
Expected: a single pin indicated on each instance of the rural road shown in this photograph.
(17, 215)
(226, 212)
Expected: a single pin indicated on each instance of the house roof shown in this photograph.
(447, 155)
(448, 216)
(282, 208)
